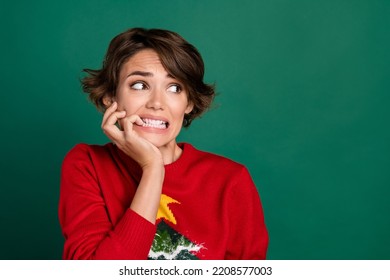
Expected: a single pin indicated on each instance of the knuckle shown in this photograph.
(105, 129)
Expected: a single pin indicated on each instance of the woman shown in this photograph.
(144, 195)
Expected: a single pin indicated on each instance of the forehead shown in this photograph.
(143, 60)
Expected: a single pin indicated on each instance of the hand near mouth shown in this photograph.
(147, 197)
(135, 146)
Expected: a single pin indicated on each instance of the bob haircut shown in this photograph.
(179, 58)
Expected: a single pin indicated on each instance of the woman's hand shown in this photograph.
(138, 148)
(147, 197)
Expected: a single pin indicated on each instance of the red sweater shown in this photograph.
(209, 209)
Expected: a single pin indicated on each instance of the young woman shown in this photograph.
(145, 196)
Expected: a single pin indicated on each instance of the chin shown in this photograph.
(157, 140)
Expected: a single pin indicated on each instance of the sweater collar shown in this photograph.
(187, 150)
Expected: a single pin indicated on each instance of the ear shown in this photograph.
(189, 108)
(107, 101)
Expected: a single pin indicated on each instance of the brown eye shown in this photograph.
(138, 86)
(175, 88)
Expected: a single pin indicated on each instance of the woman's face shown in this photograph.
(147, 90)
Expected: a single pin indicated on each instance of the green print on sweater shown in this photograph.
(168, 244)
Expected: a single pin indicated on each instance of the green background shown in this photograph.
(303, 102)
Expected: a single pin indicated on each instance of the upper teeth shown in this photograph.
(155, 123)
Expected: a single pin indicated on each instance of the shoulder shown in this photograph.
(85, 152)
(83, 148)
(221, 171)
(211, 160)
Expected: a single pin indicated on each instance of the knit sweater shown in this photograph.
(209, 208)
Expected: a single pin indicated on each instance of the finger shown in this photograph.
(115, 135)
(135, 119)
(130, 121)
(109, 127)
(114, 117)
(109, 111)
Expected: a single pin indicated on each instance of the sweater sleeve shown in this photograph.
(248, 236)
(88, 231)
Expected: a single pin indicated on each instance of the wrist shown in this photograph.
(154, 168)
(152, 163)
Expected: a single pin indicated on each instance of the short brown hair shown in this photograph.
(180, 59)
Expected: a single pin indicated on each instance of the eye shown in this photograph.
(175, 88)
(139, 86)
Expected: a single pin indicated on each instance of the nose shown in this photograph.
(156, 100)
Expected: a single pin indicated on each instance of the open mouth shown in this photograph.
(160, 124)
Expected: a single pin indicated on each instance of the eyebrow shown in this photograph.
(146, 74)
(140, 73)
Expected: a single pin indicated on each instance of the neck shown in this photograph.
(170, 154)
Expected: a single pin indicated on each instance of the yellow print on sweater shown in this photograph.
(164, 211)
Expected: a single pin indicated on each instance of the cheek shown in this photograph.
(181, 107)
(130, 105)
(124, 99)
